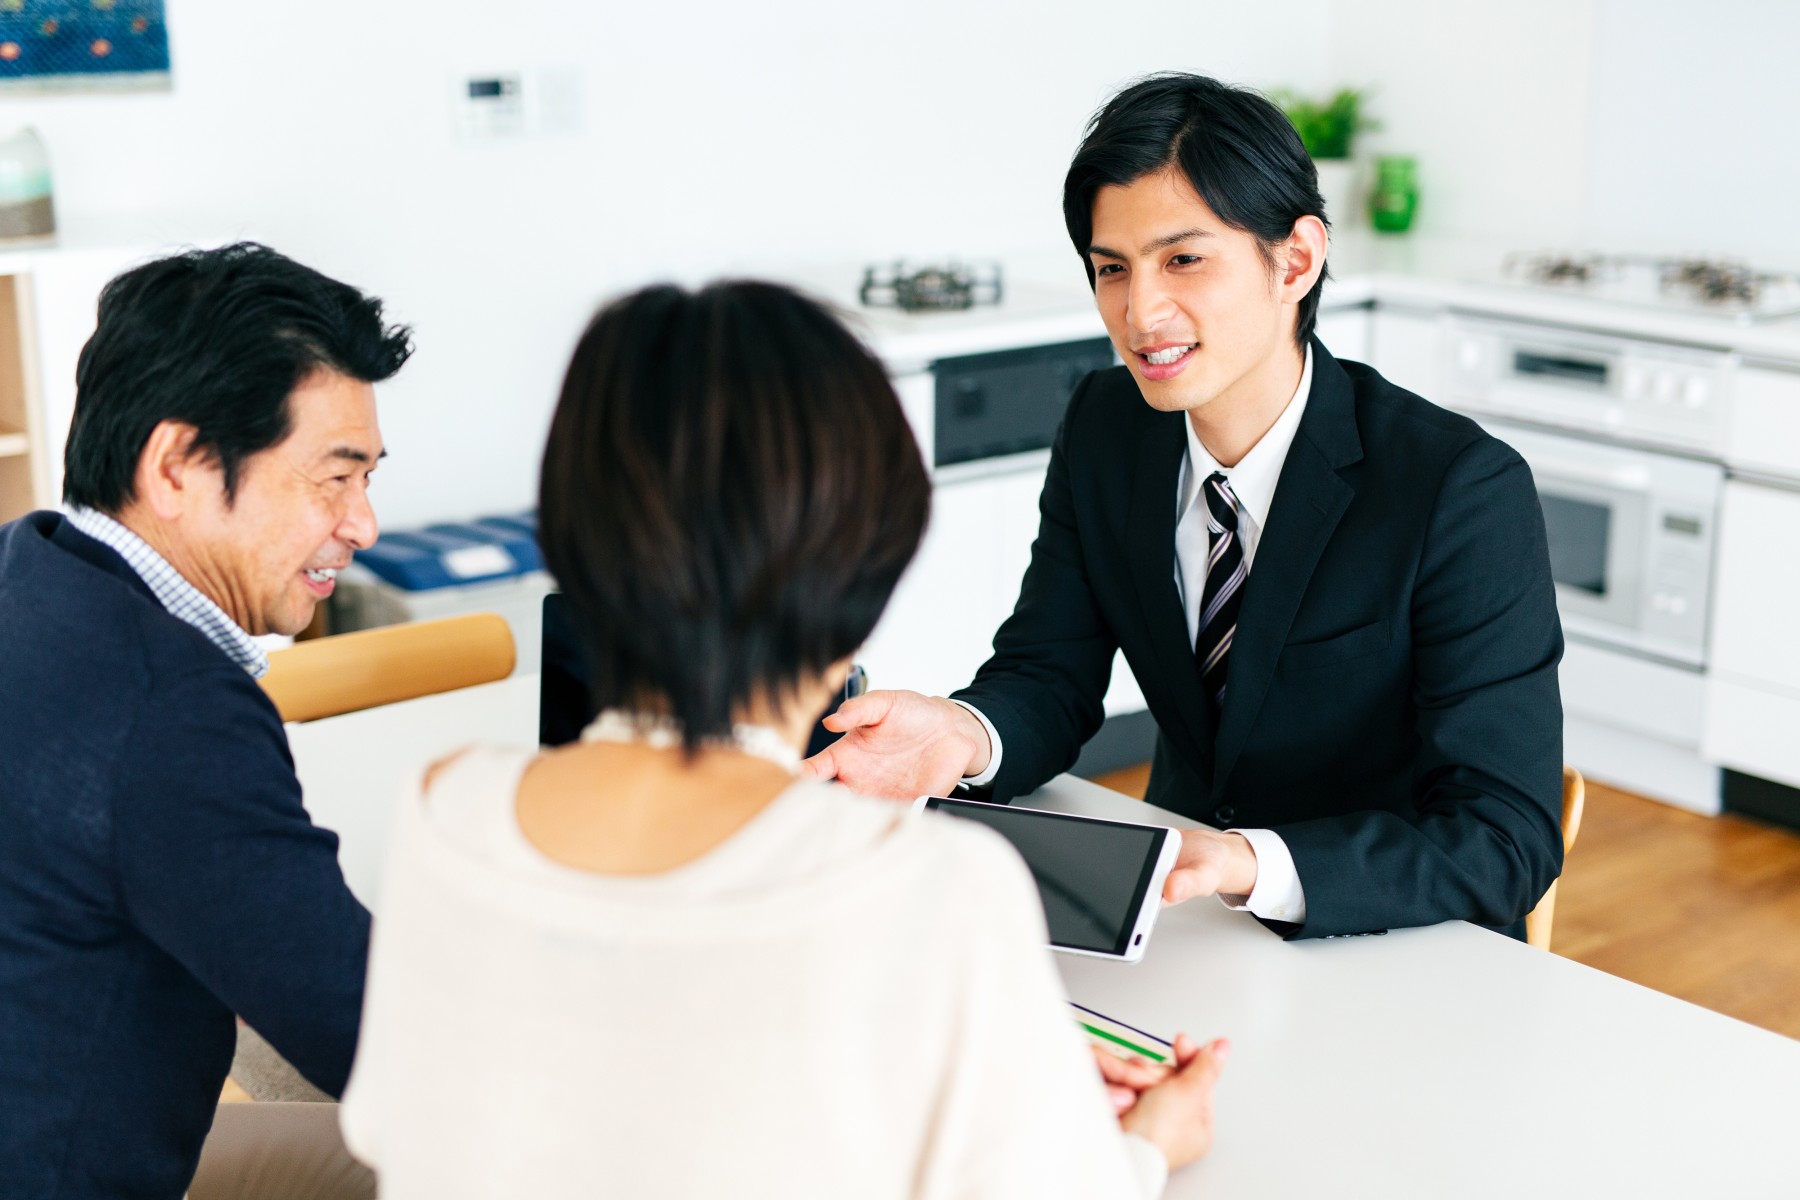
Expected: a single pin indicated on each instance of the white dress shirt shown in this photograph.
(1278, 895)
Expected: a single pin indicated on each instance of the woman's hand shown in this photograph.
(1127, 1078)
(1176, 1115)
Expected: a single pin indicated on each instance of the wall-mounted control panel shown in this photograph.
(504, 105)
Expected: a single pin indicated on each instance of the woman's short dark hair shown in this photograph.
(730, 492)
(216, 339)
(1235, 146)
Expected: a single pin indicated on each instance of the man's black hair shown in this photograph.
(1235, 147)
(216, 339)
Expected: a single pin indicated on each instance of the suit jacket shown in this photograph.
(1391, 704)
(158, 874)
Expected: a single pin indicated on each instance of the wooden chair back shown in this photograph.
(349, 672)
(1539, 919)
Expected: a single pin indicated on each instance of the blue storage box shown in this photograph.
(450, 555)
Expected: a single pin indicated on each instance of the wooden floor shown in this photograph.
(1704, 908)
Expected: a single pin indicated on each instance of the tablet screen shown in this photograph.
(1090, 874)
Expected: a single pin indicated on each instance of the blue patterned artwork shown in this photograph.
(83, 44)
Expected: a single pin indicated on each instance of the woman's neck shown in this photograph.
(627, 808)
(629, 800)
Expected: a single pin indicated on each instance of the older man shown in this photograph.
(157, 871)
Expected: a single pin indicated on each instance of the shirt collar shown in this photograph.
(1254, 478)
(172, 589)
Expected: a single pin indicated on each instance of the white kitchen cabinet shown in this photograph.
(1407, 347)
(1345, 332)
(1638, 695)
(940, 625)
(1763, 434)
(1636, 724)
(1753, 730)
(1753, 692)
(918, 401)
(1757, 585)
(935, 630)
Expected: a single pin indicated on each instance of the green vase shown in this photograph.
(1396, 196)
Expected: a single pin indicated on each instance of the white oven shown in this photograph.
(1623, 438)
(1631, 537)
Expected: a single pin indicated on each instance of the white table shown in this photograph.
(1446, 1062)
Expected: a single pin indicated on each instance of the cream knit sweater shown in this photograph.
(842, 1000)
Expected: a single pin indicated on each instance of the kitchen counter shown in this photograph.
(1047, 300)
(1043, 303)
(1407, 272)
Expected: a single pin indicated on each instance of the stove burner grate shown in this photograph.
(1715, 284)
(948, 288)
(1715, 281)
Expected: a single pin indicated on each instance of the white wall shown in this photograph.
(714, 136)
(1491, 98)
(1650, 126)
(1695, 128)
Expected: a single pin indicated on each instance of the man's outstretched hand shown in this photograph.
(901, 745)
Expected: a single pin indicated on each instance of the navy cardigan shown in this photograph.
(157, 875)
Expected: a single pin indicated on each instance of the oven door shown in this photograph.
(1630, 534)
(1594, 519)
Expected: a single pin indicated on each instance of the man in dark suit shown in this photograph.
(1336, 597)
(159, 875)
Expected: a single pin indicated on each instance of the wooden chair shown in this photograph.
(1538, 920)
(353, 671)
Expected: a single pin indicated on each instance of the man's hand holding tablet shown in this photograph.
(1211, 863)
(900, 745)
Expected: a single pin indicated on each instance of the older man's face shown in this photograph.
(302, 509)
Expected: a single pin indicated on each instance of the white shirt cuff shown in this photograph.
(1148, 1164)
(993, 767)
(1277, 895)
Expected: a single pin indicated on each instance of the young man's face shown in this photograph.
(302, 509)
(1190, 303)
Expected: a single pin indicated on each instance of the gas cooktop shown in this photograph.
(1714, 287)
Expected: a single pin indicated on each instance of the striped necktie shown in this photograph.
(1226, 572)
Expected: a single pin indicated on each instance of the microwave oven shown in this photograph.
(1631, 536)
(1622, 436)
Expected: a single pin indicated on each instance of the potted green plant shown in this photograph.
(1328, 129)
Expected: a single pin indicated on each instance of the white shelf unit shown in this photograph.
(22, 483)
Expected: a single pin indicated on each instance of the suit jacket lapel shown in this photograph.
(1310, 498)
(1150, 548)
